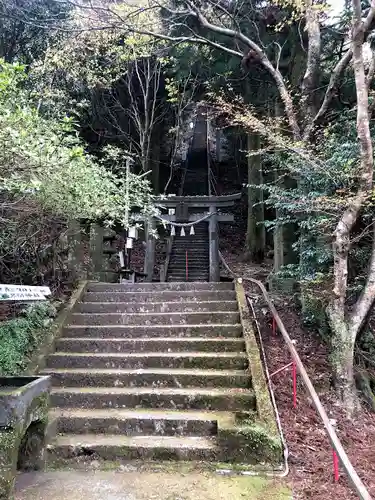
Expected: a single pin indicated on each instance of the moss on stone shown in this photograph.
(9, 444)
(13, 439)
(257, 435)
(54, 332)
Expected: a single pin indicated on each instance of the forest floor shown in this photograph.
(310, 454)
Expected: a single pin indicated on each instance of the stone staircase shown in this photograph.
(153, 371)
(196, 175)
(195, 249)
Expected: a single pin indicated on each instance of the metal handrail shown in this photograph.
(355, 480)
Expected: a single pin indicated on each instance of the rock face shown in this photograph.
(157, 371)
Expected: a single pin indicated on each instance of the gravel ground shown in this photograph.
(110, 485)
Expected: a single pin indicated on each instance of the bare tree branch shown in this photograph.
(263, 59)
(336, 75)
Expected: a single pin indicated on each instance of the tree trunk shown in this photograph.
(255, 236)
(278, 246)
(345, 327)
(343, 361)
(156, 167)
(284, 235)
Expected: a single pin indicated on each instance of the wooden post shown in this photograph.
(96, 251)
(213, 230)
(150, 249)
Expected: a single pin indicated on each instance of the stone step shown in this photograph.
(179, 274)
(195, 240)
(199, 234)
(154, 377)
(198, 256)
(172, 279)
(193, 250)
(191, 247)
(181, 264)
(192, 241)
(175, 279)
(146, 319)
(204, 360)
(157, 307)
(148, 397)
(192, 273)
(138, 422)
(166, 296)
(181, 331)
(158, 287)
(180, 270)
(200, 267)
(212, 344)
(114, 447)
(191, 238)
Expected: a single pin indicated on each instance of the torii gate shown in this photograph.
(190, 209)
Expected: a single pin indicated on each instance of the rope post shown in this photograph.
(336, 474)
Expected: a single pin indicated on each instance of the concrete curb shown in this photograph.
(265, 411)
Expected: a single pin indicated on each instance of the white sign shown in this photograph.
(23, 292)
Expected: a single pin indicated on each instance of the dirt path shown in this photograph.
(111, 485)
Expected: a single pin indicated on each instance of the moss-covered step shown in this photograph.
(156, 307)
(158, 287)
(181, 331)
(115, 447)
(145, 319)
(154, 377)
(252, 443)
(136, 360)
(135, 421)
(190, 398)
(162, 296)
(213, 344)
